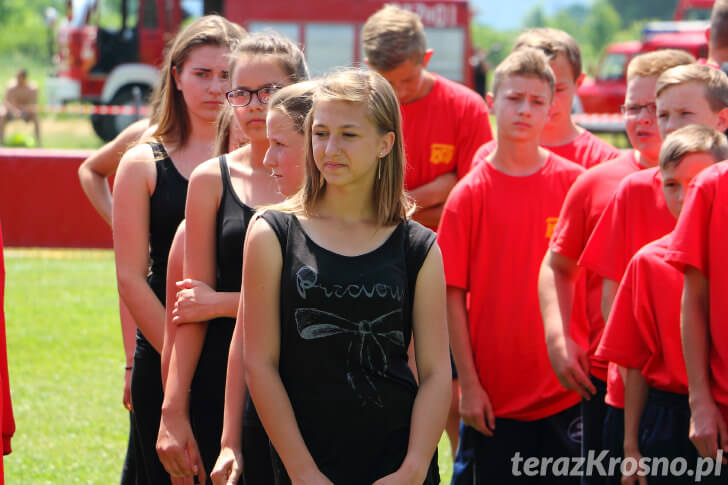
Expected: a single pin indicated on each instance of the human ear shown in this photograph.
(175, 76)
(426, 58)
(386, 143)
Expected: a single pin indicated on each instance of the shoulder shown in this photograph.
(597, 146)
(459, 96)
(417, 234)
(561, 166)
(206, 172)
(139, 157)
(712, 175)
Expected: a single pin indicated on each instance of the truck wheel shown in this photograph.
(108, 126)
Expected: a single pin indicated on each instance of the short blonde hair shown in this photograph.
(655, 63)
(391, 36)
(526, 62)
(693, 139)
(552, 42)
(369, 88)
(714, 80)
(294, 101)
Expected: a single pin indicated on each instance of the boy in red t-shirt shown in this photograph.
(570, 298)
(643, 331)
(561, 135)
(443, 122)
(494, 232)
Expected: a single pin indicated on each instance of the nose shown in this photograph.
(645, 117)
(269, 161)
(332, 146)
(218, 86)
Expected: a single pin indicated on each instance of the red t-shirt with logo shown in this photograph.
(584, 204)
(6, 408)
(587, 150)
(701, 240)
(635, 215)
(494, 232)
(643, 331)
(442, 131)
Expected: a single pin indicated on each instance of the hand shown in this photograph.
(127, 390)
(571, 365)
(633, 479)
(476, 410)
(708, 429)
(177, 448)
(228, 467)
(195, 302)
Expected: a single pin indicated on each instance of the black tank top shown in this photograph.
(233, 217)
(346, 323)
(166, 211)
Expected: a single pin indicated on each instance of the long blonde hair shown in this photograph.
(174, 124)
(373, 91)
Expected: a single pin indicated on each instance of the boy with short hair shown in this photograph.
(643, 331)
(561, 135)
(570, 298)
(718, 35)
(443, 122)
(494, 232)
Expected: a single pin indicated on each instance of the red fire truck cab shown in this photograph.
(107, 66)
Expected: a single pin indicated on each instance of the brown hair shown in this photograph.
(294, 101)
(525, 62)
(552, 42)
(288, 55)
(655, 63)
(391, 36)
(370, 89)
(719, 25)
(714, 80)
(169, 110)
(693, 139)
(225, 123)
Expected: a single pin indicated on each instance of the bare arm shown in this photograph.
(132, 190)
(262, 263)
(556, 281)
(94, 171)
(708, 429)
(434, 192)
(429, 216)
(475, 407)
(635, 397)
(432, 403)
(175, 272)
(609, 293)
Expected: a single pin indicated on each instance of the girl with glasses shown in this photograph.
(148, 204)
(223, 194)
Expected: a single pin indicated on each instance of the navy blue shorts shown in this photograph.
(613, 440)
(500, 459)
(593, 413)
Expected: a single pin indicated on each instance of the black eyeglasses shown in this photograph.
(239, 98)
(636, 109)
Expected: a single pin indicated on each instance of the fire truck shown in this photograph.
(117, 66)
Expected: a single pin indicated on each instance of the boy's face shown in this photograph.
(640, 119)
(676, 178)
(521, 107)
(408, 78)
(685, 104)
(566, 87)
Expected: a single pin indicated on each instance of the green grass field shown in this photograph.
(66, 369)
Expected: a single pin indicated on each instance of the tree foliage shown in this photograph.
(631, 11)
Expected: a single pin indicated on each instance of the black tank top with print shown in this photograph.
(346, 323)
(166, 211)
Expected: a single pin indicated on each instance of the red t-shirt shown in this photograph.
(584, 204)
(442, 131)
(6, 408)
(643, 331)
(586, 149)
(701, 240)
(493, 234)
(635, 215)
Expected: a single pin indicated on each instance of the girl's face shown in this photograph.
(346, 145)
(203, 80)
(286, 156)
(253, 73)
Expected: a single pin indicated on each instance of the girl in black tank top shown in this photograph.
(149, 200)
(217, 215)
(342, 282)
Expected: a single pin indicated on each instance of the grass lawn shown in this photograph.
(66, 369)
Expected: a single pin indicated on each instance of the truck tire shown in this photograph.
(108, 126)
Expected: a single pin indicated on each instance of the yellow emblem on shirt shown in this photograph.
(441, 153)
(550, 226)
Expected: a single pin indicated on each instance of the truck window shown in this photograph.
(448, 45)
(287, 29)
(612, 67)
(328, 46)
(150, 14)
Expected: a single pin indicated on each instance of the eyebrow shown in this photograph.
(348, 125)
(267, 85)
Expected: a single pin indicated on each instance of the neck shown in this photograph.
(201, 130)
(718, 56)
(559, 133)
(518, 158)
(257, 152)
(645, 161)
(427, 82)
(349, 203)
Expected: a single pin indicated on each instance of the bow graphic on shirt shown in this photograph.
(365, 346)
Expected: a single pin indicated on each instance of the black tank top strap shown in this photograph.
(418, 242)
(227, 185)
(280, 222)
(158, 150)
